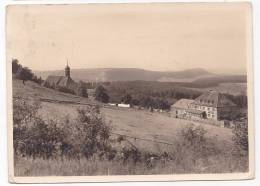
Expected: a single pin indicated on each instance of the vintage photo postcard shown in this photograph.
(130, 92)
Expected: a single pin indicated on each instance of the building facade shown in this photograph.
(210, 105)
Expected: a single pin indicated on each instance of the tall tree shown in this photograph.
(101, 94)
(127, 99)
(15, 66)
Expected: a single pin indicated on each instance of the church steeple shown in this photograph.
(67, 70)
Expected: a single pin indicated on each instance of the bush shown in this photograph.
(193, 150)
(127, 99)
(88, 134)
(193, 138)
(101, 94)
(240, 138)
(34, 137)
(82, 90)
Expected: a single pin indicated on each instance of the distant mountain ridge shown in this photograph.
(131, 74)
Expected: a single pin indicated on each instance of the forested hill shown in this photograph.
(131, 74)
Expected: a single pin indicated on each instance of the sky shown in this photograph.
(158, 37)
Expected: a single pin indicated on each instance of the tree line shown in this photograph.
(151, 95)
(24, 73)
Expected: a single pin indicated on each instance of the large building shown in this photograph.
(65, 83)
(210, 105)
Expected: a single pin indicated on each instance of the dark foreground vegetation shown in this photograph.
(86, 146)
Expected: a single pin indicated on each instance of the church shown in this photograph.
(65, 84)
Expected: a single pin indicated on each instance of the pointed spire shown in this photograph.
(67, 69)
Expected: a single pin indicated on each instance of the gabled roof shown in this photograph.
(183, 103)
(61, 81)
(68, 83)
(213, 99)
(53, 80)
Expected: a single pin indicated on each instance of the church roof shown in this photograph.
(68, 83)
(213, 99)
(61, 81)
(183, 103)
(53, 80)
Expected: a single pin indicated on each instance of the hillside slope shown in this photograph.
(126, 121)
(33, 91)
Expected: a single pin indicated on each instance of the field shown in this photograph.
(150, 132)
(128, 121)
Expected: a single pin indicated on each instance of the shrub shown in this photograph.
(127, 99)
(193, 150)
(90, 133)
(240, 138)
(34, 137)
(101, 94)
(81, 89)
(24, 115)
(193, 135)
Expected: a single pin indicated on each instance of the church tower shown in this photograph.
(67, 70)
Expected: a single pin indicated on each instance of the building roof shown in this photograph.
(213, 99)
(183, 103)
(53, 80)
(68, 83)
(61, 81)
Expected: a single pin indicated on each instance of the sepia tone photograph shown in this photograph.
(130, 92)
